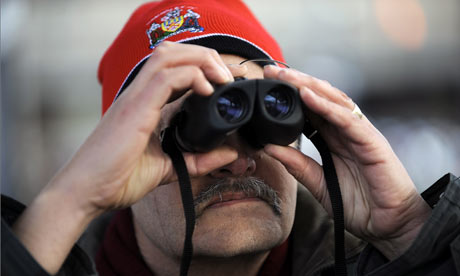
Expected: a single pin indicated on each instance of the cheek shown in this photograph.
(160, 217)
(277, 177)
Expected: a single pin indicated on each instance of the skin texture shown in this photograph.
(121, 164)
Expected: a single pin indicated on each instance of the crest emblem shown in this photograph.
(173, 23)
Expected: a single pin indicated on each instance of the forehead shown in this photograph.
(254, 72)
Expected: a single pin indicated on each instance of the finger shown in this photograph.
(172, 81)
(219, 60)
(203, 163)
(321, 87)
(357, 130)
(140, 112)
(238, 70)
(306, 170)
(176, 81)
(170, 54)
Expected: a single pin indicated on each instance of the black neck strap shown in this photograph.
(335, 196)
(170, 147)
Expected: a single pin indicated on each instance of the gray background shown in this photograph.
(399, 59)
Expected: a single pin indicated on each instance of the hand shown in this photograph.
(122, 160)
(381, 204)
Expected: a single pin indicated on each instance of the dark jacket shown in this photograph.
(436, 250)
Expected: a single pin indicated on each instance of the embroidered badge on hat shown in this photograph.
(173, 23)
(228, 26)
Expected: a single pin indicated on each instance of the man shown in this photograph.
(238, 231)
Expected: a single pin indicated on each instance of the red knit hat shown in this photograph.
(227, 26)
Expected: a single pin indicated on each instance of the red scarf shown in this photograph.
(120, 255)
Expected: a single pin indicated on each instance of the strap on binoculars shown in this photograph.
(171, 148)
(335, 196)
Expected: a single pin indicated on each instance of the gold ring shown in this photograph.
(356, 111)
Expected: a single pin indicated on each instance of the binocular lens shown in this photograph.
(277, 103)
(231, 106)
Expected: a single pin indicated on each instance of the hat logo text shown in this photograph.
(173, 23)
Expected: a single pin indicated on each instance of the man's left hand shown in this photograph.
(381, 204)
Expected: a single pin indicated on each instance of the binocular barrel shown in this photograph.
(262, 110)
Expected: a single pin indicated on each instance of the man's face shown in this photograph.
(232, 218)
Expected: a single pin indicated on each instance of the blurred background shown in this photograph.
(398, 59)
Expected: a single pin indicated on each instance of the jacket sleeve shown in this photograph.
(15, 258)
(436, 250)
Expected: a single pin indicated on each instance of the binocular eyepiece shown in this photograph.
(262, 110)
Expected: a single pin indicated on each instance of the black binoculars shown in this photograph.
(262, 110)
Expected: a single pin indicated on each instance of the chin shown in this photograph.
(242, 230)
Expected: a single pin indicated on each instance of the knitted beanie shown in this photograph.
(227, 26)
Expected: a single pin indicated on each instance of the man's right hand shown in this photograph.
(122, 161)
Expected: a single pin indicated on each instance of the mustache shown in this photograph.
(250, 186)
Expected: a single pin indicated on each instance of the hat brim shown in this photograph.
(222, 43)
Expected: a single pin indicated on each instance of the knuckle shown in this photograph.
(316, 82)
(344, 95)
(124, 108)
(195, 71)
(157, 57)
(210, 54)
(163, 48)
(189, 73)
(213, 53)
(292, 76)
(326, 83)
(310, 79)
(162, 75)
(167, 44)
(286, 74)
(159, 50)
(347, 124)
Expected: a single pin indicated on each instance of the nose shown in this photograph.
(244, 165)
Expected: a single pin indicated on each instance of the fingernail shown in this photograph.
(284, 72)
(306, 90)
(272, 67)
(224, 73)
(345, 96)
(269, 149)
(209, 88)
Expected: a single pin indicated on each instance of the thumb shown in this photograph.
(199, 164)
(306, 170)
(203, 163)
